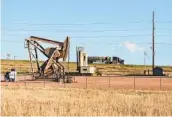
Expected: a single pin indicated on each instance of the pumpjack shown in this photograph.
(52, 66)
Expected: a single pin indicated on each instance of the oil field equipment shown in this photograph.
(52, 66)
(99, 59)
(117, 60)
(105, 60)
(158, 71)
(82, 62)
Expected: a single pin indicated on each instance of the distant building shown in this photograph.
(99, 59)
(117, 60)
(105, 60)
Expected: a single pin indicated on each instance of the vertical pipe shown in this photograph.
(77, 57)
(63, 76)
(79, 61)
(68, 61)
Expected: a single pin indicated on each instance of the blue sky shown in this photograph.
(109, 27)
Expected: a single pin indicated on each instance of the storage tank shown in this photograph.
(158, 71)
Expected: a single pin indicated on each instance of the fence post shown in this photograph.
(160, 83)
(25, 81)
(109, 81)
(134, 83)
(86, 82)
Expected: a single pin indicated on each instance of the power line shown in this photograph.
(163, 29)
(113, 36)
(163, 21)
(82, 37)
(85, 31)
(79, 24)
(142, 43)
(81, 30)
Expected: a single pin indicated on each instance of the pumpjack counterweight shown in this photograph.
(51, 66)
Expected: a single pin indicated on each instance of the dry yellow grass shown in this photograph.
(23, 66)
(80, 102)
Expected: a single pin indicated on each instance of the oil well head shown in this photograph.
(51, 66)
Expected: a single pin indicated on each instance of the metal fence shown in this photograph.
(96, 82)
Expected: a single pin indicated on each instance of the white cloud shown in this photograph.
(132, 47)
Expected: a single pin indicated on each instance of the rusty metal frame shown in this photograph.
(30, 56)
(33, 41)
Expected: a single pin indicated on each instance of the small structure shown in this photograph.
(99, 59)
(11, 76)
(82, 62)
(6, 76)
(105, 60)
(87, 70)
(117, 60)
(158, 71)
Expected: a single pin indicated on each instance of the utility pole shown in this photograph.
(153, 43)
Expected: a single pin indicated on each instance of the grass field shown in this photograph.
(23, 67)
(80, 102)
